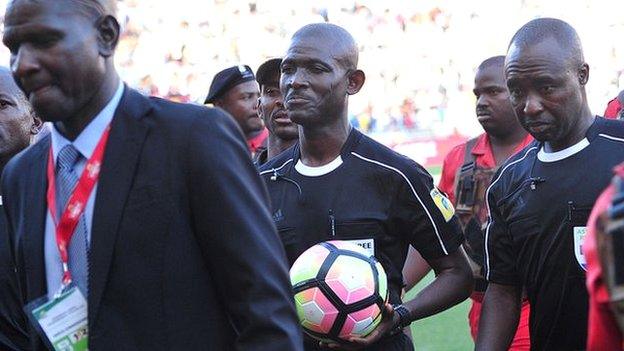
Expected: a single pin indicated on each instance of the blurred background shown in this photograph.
(419, 56)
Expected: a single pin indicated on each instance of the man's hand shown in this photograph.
(389, 321)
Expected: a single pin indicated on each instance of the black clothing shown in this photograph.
(182, 237)
(539, 205)
(382, 199)
(13, 335)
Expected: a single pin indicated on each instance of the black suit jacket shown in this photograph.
(184, 254)
(13, 330)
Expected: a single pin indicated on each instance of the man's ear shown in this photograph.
(356, 81)
(259, 107)
(36, 125)
(108, 35)
(583, 74)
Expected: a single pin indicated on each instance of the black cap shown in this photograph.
(267, 70)
(227, 79)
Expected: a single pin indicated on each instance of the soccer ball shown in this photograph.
(340, 291)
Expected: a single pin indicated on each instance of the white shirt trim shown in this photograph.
(272, 170)
(562, 154)
(435, 228)
(318, 171)
(611, 137)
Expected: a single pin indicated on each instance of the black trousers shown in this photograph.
(399, 342)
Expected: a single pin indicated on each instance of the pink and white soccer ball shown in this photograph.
(340, 291)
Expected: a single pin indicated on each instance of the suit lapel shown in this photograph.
(34, 228)
(128, 132)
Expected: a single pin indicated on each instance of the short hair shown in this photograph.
(340, 37)
(492, 61)
(97, 8)
(538, 30)
(89, 8)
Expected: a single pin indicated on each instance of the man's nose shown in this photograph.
(533, 105)
(298, 80)
(482, 102)
(24, 62)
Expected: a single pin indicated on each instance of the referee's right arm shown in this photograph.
(501, 305)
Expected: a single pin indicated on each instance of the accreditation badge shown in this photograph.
(443, 204)
(62, 321)
(579, 238)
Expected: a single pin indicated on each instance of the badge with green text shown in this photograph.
(63, 320)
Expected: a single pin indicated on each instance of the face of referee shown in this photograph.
(546, 91)
(313, 81)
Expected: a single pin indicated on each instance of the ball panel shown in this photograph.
(361, 323)
(307, 265)
(351, 279)
(315, 311)
(383, 281)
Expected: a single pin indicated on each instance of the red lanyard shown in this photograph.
(77, 201)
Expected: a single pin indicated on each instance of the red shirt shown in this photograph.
(603, 332)
(258, 141)
(613, 108)
(484, 157)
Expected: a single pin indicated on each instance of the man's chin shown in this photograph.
(51, 113)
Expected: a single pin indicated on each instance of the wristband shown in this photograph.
(404, 317)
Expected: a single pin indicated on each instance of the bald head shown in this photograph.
(541, 29)
(89, 8)
(494, 61)
(343, 46)
(18, 124)
(318, 73)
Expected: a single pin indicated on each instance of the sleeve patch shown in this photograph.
(443, 204)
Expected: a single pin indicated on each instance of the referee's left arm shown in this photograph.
(501, 305)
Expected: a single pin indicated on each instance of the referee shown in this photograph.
(540, 199)
(337, 183)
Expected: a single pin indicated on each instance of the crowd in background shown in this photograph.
(419, 56)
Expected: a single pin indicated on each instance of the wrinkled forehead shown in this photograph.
(311, 49)
(494, 74)
(547, 55)
(36, 10)
(19, 12)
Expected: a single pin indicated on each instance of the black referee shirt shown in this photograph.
(377, 198)
(539, 205)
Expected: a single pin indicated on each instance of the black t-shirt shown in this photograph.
(539, 204)
(12, 322)
(374, 196)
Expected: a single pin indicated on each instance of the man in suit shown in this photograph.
(171, 246)
(18, 126)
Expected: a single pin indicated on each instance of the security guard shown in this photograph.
(235, 90)
(468, 170)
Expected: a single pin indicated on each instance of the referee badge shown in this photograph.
(443, 204)
(579, 238)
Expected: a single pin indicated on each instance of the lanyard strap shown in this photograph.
(77, 202)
